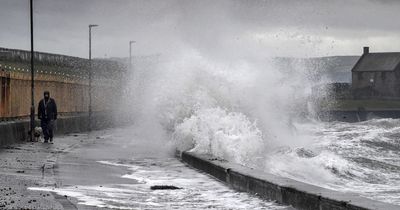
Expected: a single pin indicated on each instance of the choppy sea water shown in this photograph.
(359, 157)
(362, 157)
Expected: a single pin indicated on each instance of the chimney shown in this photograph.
(366, 50)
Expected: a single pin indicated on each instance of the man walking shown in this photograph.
(47, 113)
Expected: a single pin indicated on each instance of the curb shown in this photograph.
(284, 190)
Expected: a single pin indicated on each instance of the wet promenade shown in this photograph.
(109, 169)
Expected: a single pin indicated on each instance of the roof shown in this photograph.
(378, 62)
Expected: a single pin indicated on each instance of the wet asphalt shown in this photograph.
(105, 170)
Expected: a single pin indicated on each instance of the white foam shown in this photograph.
(199, 191)
(247, 111)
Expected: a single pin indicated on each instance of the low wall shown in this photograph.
(357, 116)
(283, 190)
(17, 131)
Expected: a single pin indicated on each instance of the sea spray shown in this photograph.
(250, 112)
(238, 110)
(226, 135)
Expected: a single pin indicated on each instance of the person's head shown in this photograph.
(46, 95)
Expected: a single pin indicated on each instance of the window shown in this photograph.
(383, 75)
(359, 76)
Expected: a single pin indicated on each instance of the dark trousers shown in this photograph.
(47, 127)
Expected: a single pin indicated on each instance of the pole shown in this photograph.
(32, 76)
(90, 77)
(130, 54)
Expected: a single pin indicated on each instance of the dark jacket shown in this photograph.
(47, 111)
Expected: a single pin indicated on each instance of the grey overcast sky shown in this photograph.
(299, 28)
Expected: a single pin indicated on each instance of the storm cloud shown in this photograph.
(260, 27)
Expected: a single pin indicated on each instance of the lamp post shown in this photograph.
(372, 83)
(90, 76)
(130, 54)
(32, 122)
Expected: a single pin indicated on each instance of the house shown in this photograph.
(376, 76)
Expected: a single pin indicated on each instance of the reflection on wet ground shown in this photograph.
(116, 173)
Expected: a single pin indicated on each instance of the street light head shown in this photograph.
(130, 42)
(93, 25)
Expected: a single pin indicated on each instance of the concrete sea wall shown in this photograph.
(17, 131)
(65, 77)
(71, 94)
(285, 191)
(357, 116)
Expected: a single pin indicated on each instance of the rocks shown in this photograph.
(164, 187)
(305, 153)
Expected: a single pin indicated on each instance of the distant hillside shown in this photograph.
(330, 69)
(333, 69)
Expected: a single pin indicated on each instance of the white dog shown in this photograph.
(38, 133)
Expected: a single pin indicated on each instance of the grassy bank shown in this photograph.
(365, 104)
